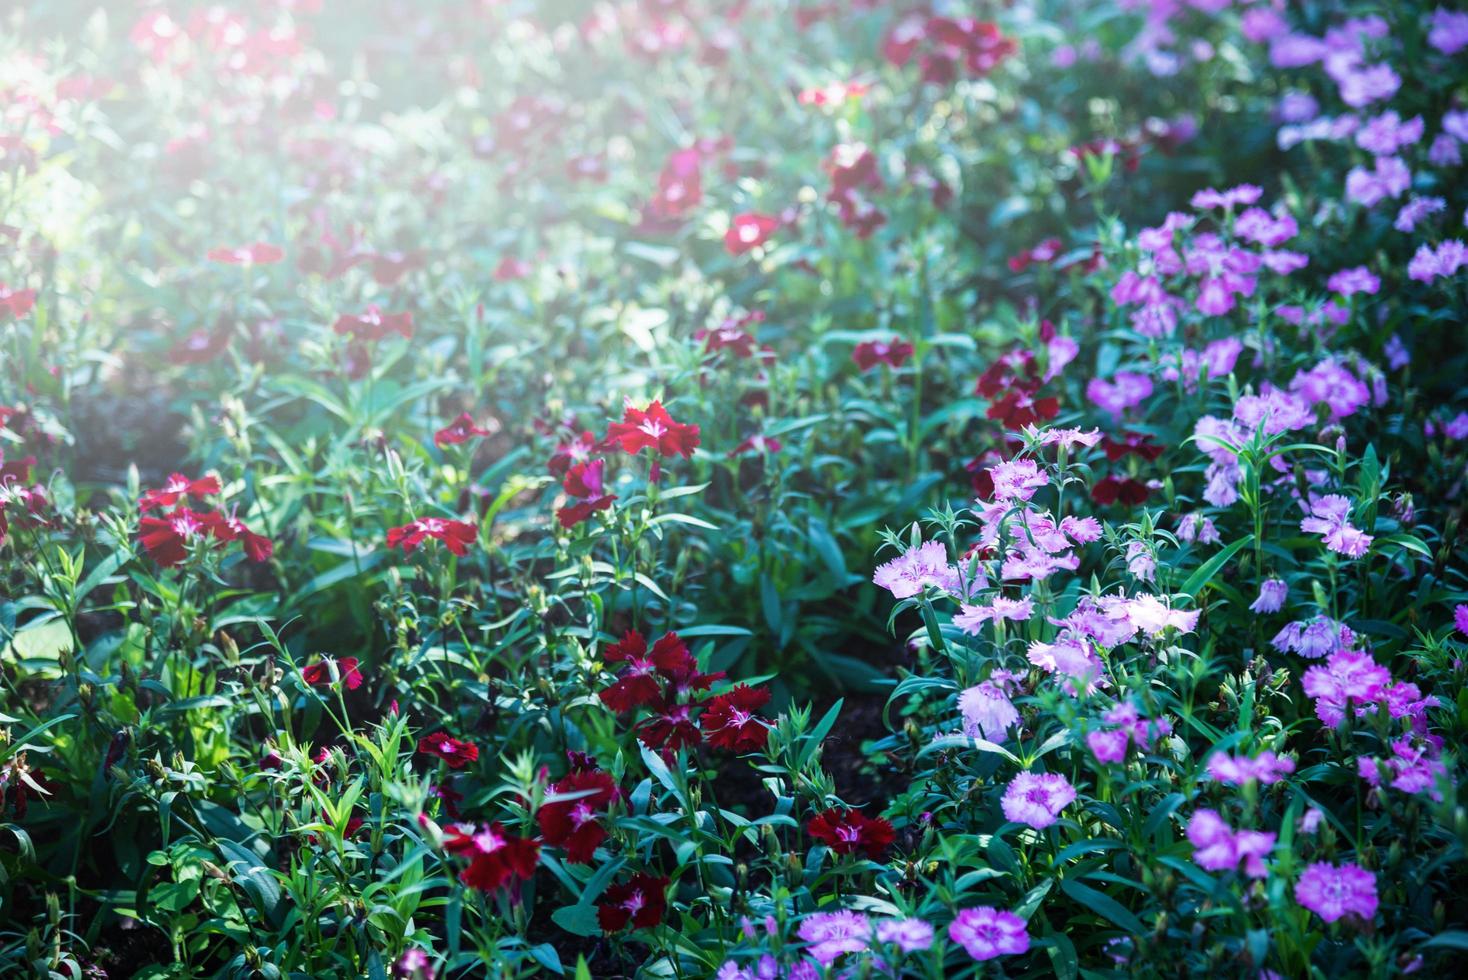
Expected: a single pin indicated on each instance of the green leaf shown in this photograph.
(1103, 904)
(1204, 572)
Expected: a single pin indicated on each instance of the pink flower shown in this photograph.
(1127, 390)
(1036, 799)
(831, 934)
(1332, 891)
(1460, 618)
(1266, 768)
(908, 935)
(749, 231)
(1329, 519)
(1017, 479)
(1348, 675)
(987, 711)
(917, 568)
(1217, 847)
(986, 932)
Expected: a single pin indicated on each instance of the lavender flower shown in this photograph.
(1036, 799)
(1272, 593)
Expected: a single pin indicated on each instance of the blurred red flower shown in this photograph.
(256, 253)
(893, 353)
(455, 753)
(321, 673)
(748, 231)
(496, 859)
(460, 430)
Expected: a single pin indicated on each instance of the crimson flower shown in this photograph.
(1012, 384)
(731, 336)
(748, 231)
(670, 728)
(1113, 488)
(16, 302)
(641, 683)
(1139, 443)
(1043, 254)
(456, 536)
(756, 445)
(455, 753)
(641, 900)
(257, 547)
(893, 353)
(496, 859)
(652, 428)
(373, 324)
(256, 253)
(460, 430)
(847, 831)
(578, 450)
(329, 670)
(569, 817)
(168, 539)
(585, 481)
(729, 721)
(175, 488)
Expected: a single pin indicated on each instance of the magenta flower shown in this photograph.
(1460, 618)
(908, 935)
(1217, 847)
(1265, 768)
(1330, 518)
(972, 618)
(1036, 799)
(1348, 675)
(1126, 390)
(1332, 892)
(986, 932)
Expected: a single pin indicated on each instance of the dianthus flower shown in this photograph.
(652, 428)
(1333, 891)
(986, 932)
(848, 831)
(1036, 799)
(569, 817)
(496, 858)
(641, 901)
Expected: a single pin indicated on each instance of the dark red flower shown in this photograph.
(729, 721)
(329, 670)
(16, 303)
(731, 336)
(455, 753)
(374, 324)
(577, 450)
(496, 858)
(652, 428)
(670, 728)
(585, 481)
(848, 831)
(1044, 253)
(271, 761)
(893, 353)
(1012, 384)
(257, 547)
(570, 816)
(168, 539)
(1139, 443)
(175, 489)
(456, 536)
(749, 231)
(756, 445)
(460, 430)
(389, 268)
(256, 253)
(1113, 488)
(451, 799)
(641, 900)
